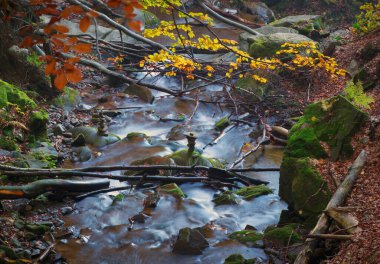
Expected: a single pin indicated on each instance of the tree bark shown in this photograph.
(36, 188)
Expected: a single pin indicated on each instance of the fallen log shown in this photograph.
(36, 188)
(330, 236)
(337, 199)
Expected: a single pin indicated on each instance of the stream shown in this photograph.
(101, 227)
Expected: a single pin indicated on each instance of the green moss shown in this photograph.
(302, 187)
(37, 229)
(282, 235)
(226, 197)
(184, 158)
(155, 160)
(12, 94)
(133, 135)
(34, 60)
(251, 192)
(332, 121)
(238, 259)
(8, 143)
(303, 142)
(38, 122)
(216, 163)
(249, 237)
(69, 98)
(50, 161)
(222, 123)
(172, 189)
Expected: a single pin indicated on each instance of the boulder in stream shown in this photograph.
(268, 45)
(227, 197)
(93, 138)
(190, 242)
(305, 24)
(250, 192)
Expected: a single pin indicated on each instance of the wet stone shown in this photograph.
(190, 242)
(66, 210)
(151, 200)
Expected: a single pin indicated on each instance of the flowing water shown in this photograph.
(101, 227)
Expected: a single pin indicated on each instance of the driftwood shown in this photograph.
(338, 198)
(36, 188)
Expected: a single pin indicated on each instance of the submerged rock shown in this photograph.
(248, 237)
(190, 242)
(136, 135)
(93, 138)
(140, 91)
(83, 153)
(250, 192)
(227, 197)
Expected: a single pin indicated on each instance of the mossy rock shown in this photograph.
(37, 229)
(302, 23)
(268, 45)
(136, 135)
(190, 242)
(68, 99)
(333, 121)
(282, 236)
(12, 94)
(249, 84)
(222, 123)
(238, 259)
(184, 158)
(38, 121)
(227, 197)
(93, 138)
(302, 187)
(155, 160)
(248, 237)
(142, 92)
(250, 192)
(172, 189)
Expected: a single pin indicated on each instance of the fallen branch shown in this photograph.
(36, 188)
(262, 141)
(120, 76)
(120, 27)
(207, 8)
(338, 198)
(329, 236)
